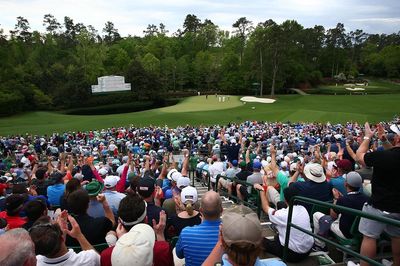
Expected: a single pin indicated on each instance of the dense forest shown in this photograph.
(54, 69)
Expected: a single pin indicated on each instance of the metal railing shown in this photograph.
(256, 204)
(328, 241)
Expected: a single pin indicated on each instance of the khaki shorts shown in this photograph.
(225, 183)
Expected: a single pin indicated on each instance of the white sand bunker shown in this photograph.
(252, 99)
(355, 89)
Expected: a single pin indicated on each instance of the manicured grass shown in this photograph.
(199, 111)
(375, 86)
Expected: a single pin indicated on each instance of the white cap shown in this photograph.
(135, 247)
(103, 171)
(183, 181)
(284, 164)
(111, 181)
(189, 193)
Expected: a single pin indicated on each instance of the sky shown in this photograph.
(132, 17)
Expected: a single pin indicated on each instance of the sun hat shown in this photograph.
(175, 176)
(94, 188)
(170, 173)
(395, 128)
(314, 172)
(241, 225)
(189, 193)
(135, 247)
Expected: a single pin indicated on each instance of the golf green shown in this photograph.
(198, 110)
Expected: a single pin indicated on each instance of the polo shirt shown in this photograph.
(54, 194)
(113, 199)
(195, 243)
(258, 262)
(338, 183)
(353, 200)
(85, 257)
(313, 190)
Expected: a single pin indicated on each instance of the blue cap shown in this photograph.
(235, 163)
(257, 165)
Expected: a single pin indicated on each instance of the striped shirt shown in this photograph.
(196, 242)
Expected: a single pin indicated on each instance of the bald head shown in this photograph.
(17, 239)
(211, 205)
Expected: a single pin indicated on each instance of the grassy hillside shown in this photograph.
(197, 110)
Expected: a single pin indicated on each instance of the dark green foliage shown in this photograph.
(56, 68)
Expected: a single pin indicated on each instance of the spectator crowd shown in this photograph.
(126, 196)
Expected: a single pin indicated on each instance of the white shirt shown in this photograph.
(298, 241)
(215, 169)
(85, 257)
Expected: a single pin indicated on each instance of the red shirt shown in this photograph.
(13, 221)
(162, 255)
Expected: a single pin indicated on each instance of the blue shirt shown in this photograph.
(113, 199)
(95, 209)
(54, 194)
(338, 183)
(265, 262)
(196, 242)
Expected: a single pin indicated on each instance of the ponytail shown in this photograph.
(189, 208)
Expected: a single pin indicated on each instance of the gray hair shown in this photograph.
(17, 247)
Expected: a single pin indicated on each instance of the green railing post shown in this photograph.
(288, 226)
(335, 207)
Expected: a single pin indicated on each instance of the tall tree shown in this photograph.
(111, 33)
(51, 24)
(243, 27)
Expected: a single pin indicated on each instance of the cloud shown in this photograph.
(132, 17)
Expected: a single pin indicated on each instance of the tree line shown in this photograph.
(55, 68)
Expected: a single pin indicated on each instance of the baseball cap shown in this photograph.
(111, 181)
(314, 172)
(354, 179)
(182, 182)
(344, 164)
(242, 164)
(135, 247)
(14, 202)
(189, 193)
(234, 163)
(103, 171)
(257, 165)
(241, 225)
(146, 187)
(94, 188)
